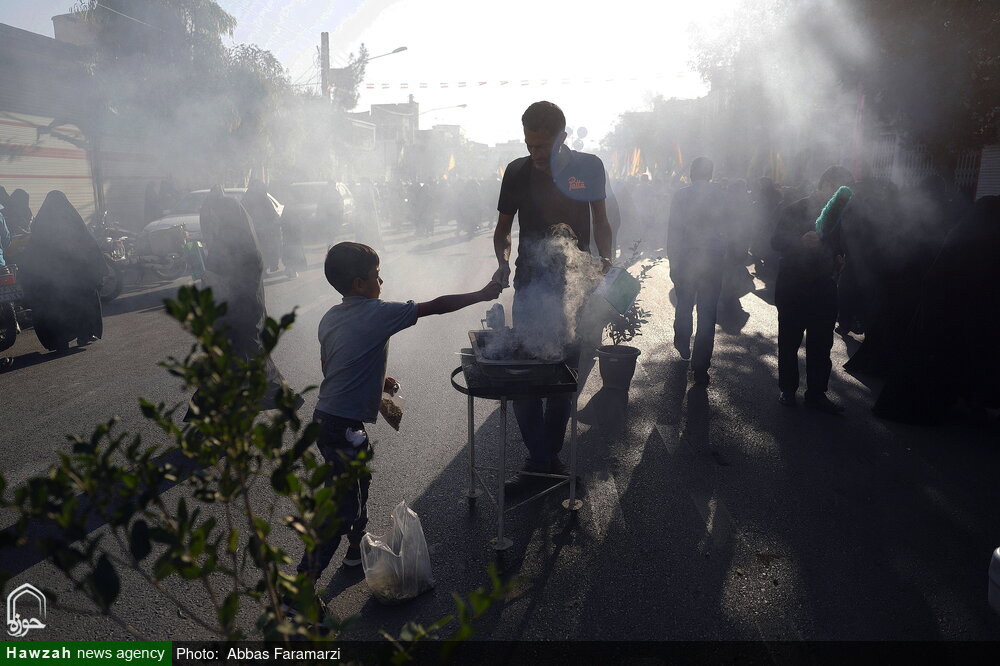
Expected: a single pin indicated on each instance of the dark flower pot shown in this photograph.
(617, 364)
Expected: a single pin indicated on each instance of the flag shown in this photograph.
(777, 168)
(636, 162)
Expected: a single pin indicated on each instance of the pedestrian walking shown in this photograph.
(697, 238)
(266, 225)
(234, 270)
(805, 293)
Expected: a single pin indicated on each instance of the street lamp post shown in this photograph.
(341, 76)
(398, 49)
(442, 108)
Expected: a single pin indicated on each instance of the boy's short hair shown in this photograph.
(544, 117)
(346, 261)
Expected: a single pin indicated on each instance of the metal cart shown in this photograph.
(552, 380)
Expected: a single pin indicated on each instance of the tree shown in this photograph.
(162, 72)
(152, 51)
(929, 69)
(935, 70)
(260, 92)
(346, 80)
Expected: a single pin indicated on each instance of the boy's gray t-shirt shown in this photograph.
(354, 345)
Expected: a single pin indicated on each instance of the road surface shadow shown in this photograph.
(35, 358)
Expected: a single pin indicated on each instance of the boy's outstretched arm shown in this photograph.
(452, 302)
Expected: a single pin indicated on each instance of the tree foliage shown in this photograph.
(936, 68)
(929, 69)
(163, 72)
(348, 79)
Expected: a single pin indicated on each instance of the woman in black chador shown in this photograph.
(62, 270)
(234, 270)
(949, 353)
(265, 222)
(18, 212)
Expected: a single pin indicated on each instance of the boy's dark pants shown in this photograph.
(809, 310)
(337, 450)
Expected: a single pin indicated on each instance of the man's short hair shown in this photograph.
(346, 261)
(701, 169)
(544, 117)
(835, 176)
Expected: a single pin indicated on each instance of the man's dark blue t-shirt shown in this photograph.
(541, 200)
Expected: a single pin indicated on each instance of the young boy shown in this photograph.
(354, 347)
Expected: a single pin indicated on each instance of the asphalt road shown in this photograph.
(709, 513)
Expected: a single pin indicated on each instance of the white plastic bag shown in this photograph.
(398, 568)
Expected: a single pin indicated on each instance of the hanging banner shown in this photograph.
(526, 82)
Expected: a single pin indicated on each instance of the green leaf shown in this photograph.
(234, 541)
(139, 540)
(106, 585)
(262, 525)
(164, 567)
(148, 409)
(480, 602)
(227, 612)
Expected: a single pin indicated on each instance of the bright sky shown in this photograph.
(595, 59)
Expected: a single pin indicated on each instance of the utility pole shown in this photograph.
(324, 63)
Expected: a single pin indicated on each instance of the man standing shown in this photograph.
(552, 185)
(805, 293)
(697, 239)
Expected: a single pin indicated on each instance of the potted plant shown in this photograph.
(617, 361)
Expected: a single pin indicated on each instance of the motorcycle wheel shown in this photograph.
(176, 268)
(8, 326)
(113, 281)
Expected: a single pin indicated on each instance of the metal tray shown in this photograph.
(479, 340)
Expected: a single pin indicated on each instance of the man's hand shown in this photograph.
(810, 239)
(502, 276)
(391, 386)
(491, 291)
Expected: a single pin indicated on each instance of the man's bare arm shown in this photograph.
(501, 245)
(602, 230)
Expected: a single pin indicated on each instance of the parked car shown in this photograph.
(187, 209)
(324, 210)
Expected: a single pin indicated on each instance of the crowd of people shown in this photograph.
(61, 268)
(883, 272)
(913, 271)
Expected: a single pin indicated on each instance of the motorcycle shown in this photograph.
(109, 238)
(10, 293)
(163, 251)
(13, 307)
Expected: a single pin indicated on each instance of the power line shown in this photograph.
(130, 18)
